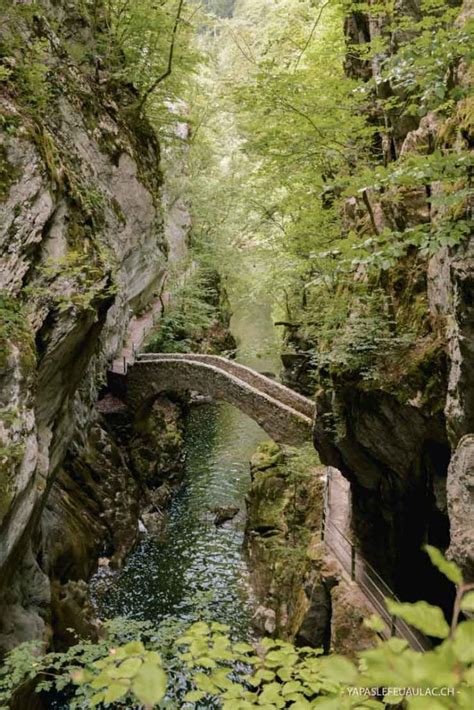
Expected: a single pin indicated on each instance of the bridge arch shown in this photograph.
(147, 377)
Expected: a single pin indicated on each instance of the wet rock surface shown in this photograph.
(223, 514)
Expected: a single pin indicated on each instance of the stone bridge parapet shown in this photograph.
(247, 374)
(284, 415)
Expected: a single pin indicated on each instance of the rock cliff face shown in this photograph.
(406, 443)
(302, 594)
(82, 249)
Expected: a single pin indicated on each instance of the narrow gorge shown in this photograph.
(236, 354)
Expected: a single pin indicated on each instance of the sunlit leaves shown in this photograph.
(446, 567)
(463, 645)
(280, 676)
(127, 669)
(467, 602)
(423, 616)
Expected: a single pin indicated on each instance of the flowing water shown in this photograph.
(198, 563)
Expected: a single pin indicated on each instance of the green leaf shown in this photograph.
(338, 669)
(115, 691)
(271, 693)
(375, 622)
(423, 616)
(128, 668)
(463, 642)
(285, 674)
(322, 703)
(206, 662)
(446, 567)
(200, 628)
(149, 684)
(261, 675)
(134, 648)
(194, 696)
(216, 626)
(294, 686)
(78, 675)
(467, 602)
(96, 699)
(222, 680)
(281, 658)
(205, 684)
(237, 704)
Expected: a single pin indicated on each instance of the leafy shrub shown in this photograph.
(217, 671)
(190, 313)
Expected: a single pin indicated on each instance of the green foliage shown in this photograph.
(8, 174)
(141, 32)
(32, 75)
(15, 330)
(5, 73)
(128, 671)
(217, 671)
(425, 617)
(286, 161)
(449, 569)
(76, 282)
(192, 310)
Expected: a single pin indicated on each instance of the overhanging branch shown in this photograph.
(169, 67)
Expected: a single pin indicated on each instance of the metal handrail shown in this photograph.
(360, 571)
(375, 589)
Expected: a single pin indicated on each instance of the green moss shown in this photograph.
(46, 145)
(284, 518)
(8, 174)
(426, 373)
(267, 454)
(15, 330)
(10, 457)
(87, 272)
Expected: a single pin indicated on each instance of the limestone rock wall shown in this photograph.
(82, 248)
(301, 592)
(394, 441)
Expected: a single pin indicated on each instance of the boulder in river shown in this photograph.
(224, 513)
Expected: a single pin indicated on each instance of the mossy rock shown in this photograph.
(8, 174)
(15, 331)
(268, 454)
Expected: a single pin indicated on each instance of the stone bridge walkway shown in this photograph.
(136, 378)
(286, 416)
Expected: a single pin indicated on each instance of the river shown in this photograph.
(198, 565)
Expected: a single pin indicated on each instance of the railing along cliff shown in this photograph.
(374, 588)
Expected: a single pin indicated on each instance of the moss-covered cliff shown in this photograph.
(301, 591)
(390, 354)
(82, 249)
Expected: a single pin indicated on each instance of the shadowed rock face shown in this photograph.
(461, 505)
(83, 184)
(395, 446)
(282, 422)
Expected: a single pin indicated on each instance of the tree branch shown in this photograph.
(169, 67)
(313, 29)
(366, 200)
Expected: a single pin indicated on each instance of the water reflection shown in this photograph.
(169, 578)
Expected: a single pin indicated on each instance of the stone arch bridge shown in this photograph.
(286, 416)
